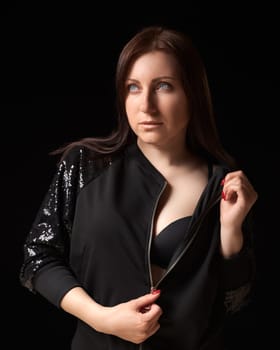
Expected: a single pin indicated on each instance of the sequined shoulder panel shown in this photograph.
(49, 237)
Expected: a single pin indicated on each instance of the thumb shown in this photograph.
(147, 299)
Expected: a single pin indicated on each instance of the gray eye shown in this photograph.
(132, 87)
(163, 86)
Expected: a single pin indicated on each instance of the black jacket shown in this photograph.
(94, 230)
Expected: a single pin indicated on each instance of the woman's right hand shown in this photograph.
(134, 321)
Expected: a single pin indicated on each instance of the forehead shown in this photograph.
(155, 63)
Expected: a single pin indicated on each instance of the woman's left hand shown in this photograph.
(238, 197)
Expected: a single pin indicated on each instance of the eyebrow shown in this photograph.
(156, 79)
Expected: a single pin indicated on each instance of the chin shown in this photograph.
(150, 140)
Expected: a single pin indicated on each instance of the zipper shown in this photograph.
(150, 244)
(200, 220)
(151, 236)
(215, 201)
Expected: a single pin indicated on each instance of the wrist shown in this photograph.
(231, 242)
(97, 317)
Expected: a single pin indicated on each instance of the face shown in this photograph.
(156, 103)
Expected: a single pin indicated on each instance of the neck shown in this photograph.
(165, 157)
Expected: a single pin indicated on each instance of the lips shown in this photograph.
(150, 123)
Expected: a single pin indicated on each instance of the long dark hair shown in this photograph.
(202, 136)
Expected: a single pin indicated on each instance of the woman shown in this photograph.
(144, 236)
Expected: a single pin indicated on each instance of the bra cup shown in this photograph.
(165, 243)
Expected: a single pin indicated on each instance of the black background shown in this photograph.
(57, 85)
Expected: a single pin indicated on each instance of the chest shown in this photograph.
(179, 199)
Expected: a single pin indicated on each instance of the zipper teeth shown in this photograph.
(190, 242)
(151, 235)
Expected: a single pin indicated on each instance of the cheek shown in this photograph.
(130, 116)
(183, 121)
(181, 112)
(129, 106)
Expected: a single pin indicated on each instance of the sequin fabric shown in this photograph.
(52, 227)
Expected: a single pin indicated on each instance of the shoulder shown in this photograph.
(75, 155)
(217, 173)
(220, 169)
(83, 156)
(84, 164)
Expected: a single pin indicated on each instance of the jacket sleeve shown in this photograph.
(45, 267)
(239, 272)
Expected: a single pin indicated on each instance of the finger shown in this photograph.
(153, 314)
(154, 328)
(230, 195)
(145, 300)
(238, 178)
(145, 309)
(235, 174)
(237, 190)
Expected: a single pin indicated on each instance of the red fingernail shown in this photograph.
(222, 182)
(156, 291)
(223, 195)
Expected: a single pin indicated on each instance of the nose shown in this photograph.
(148, 102)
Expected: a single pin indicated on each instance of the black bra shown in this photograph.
(165, 243)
